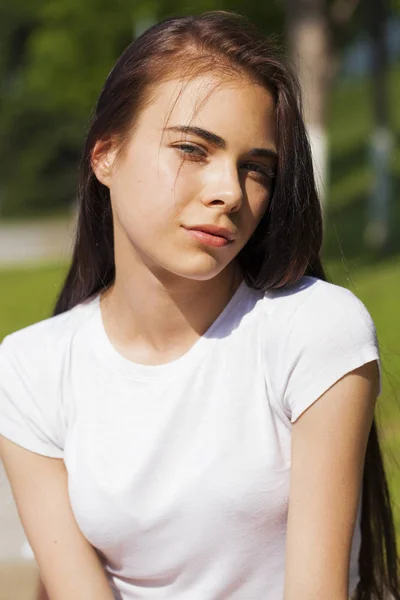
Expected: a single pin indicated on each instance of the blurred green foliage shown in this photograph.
(54, 58)
(351, 177)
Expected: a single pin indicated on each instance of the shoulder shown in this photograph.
(310, 293)
(315, 332)
(34, 410)
(313, 305)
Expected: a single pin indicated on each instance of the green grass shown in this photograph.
(378, 286)
(28, 295)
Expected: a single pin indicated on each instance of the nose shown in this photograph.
(223, 186)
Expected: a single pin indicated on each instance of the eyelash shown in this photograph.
(199, 154)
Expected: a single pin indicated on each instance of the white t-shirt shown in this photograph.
(179, 473)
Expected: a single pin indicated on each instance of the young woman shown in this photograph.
(196, 420)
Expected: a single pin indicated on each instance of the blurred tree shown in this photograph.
(268, 15)
(382, 142)
(18, 20)
(316, 33)
(310, 45)
(51, 78)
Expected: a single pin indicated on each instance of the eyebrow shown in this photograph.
(218, 141)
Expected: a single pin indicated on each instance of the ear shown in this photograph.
(102, 160)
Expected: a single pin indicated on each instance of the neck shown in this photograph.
(151, 320)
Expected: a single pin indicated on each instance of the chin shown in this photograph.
(199, 270)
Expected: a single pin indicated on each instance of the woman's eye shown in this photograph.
(190, 150)
(260, 169)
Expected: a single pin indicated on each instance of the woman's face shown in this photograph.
(201, 153)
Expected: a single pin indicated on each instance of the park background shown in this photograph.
(54, 58)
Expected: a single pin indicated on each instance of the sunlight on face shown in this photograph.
(203, 152)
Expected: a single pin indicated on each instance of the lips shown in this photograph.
(208, 239)
(214, 230)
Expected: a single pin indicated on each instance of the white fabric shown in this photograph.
(179, 473)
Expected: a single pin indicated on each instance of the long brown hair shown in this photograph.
(287, 242)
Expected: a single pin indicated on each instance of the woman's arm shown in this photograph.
(329, 442)
(68, 563)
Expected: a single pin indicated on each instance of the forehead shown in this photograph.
(235, 108)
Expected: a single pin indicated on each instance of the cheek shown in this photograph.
(138, 186)
(146, 190)
(258, 197)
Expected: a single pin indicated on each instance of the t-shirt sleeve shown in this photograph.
(30, 415)
(329, 334)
